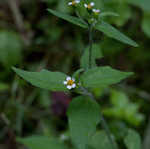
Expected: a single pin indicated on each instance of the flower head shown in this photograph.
(74, 2)
(96, 11)
(70, 83)
(89, 6)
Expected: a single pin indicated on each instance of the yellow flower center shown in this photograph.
(73, 3)
(70, 82)
(89, 6)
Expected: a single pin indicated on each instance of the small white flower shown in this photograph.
(70, 83)
(92, 4)
(85, 5)
(89, 6)
(74, 2)
(96, 11)
(70, 3)
(77, 1)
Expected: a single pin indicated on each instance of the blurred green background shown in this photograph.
(33, 39)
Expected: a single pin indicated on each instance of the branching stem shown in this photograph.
(85, 91)
(90, 44)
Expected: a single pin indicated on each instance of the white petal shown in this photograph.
(73, 79)
(73, 85)
(70, 3)
(92, 3)
(77, 1)
(68, 78)
(94, 10)
(69, 87)
(65, 82)
(85, 5)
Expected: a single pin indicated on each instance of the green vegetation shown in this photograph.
(74, 76)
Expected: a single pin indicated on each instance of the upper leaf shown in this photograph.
(39, 142)
(45, 79)
(102, 76)
(112, 32)
(104, 27)
(104, 14)
(83, 116)
(68, 18)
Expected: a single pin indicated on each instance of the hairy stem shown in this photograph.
(103, 121)
(90, 44)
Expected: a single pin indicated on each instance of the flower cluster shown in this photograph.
(70, 83)
(90, 7)
(87, 6)
(74, 2)
(96, 11)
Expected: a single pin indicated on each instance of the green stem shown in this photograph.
(78, 15)
(103, 121)
(90, 26)
(90, 44)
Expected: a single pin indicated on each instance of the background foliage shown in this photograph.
(33, 39)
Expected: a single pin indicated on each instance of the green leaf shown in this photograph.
(118, 128)
(39, 142)
(10, 48)
(45, 79)
(105, 14)
(112, 32)
(71, 19)
(104, 27)
(102, 77)
(146, 24)
(122, 108)
(83, 116)
(96, 53)
(119, 99)
(100, 141)
(132, 140)
(144, 4)
(122, 8)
